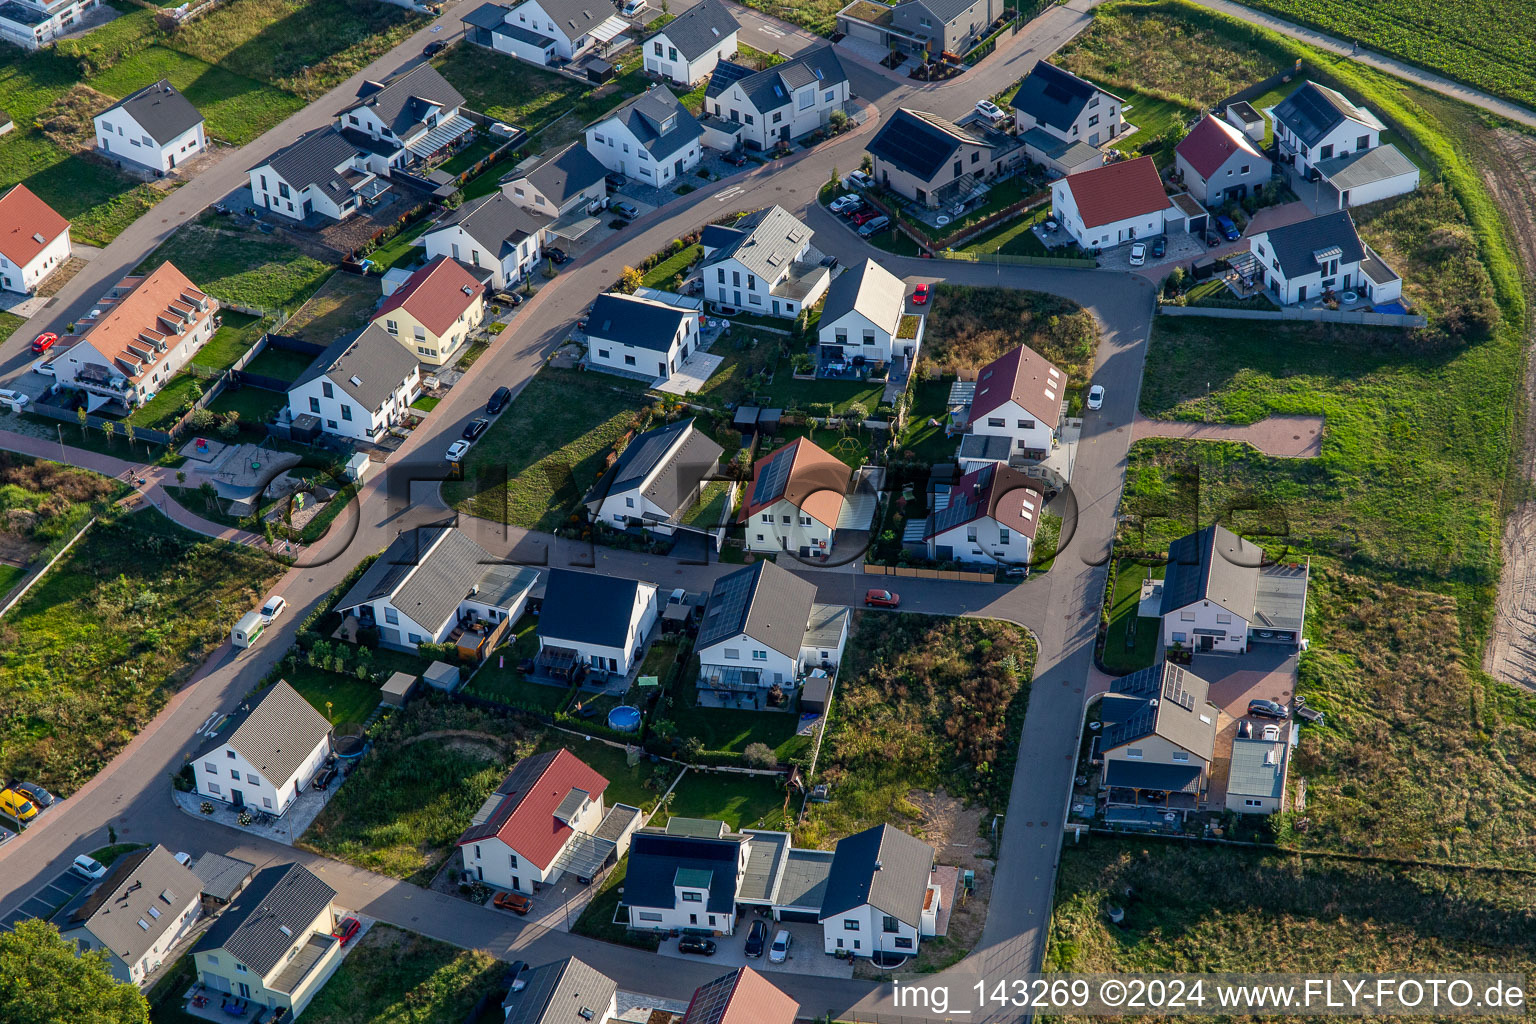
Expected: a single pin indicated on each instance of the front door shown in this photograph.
(775, 307)
(1207, 643)
(237, 798)
(677, 167)
(784, 133)
(1301, 294)
(516, 884)
(173, 161)
(736, 299)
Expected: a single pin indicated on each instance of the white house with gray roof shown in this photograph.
(265, 752)
(1305, 261)
(1368, 176)
(1256, 774)
(1064, 120)
(359, 387)
(865, 315)
(762, 628)
(600, 622)
(651, 138)
(494, 233)
(880, 895)
(630, 335)
(429, 581)
(656, 479)
(137, 913)
(1219, 594)
(408, 120)
(326, 172)
(569, 181)
(763, 265)
(1315, 123)
(155, 128)
(781, 103)
(545, 32)
(688, 48)
(568, 991)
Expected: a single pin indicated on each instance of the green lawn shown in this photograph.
(661, 275)
(343, 303)
(710, 506)
(279, 364)
(551, 444)
(231, 341)
(508, 685)
(470, 155)
(926, 442)
(253, 404)
(237, 108)
(165, 408)
(788, 393)
(10, 576)
(732, 381)
(401, 251)
(394, 975)
(1014, 238)
(508, 90)
(8, 324)
(352, 699)
(596, 921)
(241, 265)
(741, 801)
(1154, 119)
(1117, 656)
(731, 729)
(426, 403)
(639, 785)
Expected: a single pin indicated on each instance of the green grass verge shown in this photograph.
(279, 364)
(596, 921)
(231, 341)
(1014, 238)
(924, 436)
(661, 275)
(707, 510)
(168, 404)
(1117, 656)
(741, 801)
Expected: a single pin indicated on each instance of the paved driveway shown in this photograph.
(1266, 671)
(46, 900)
(805, 952)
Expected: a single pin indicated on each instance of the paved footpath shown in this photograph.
(1285, 437)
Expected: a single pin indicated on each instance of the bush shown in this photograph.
(760, 755)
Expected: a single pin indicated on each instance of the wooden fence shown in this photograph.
(910, 572)
(1009, 259)
(1336, 316)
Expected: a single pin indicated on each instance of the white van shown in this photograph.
(248, 630)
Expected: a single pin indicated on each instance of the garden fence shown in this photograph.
(94, 422)
(1337, 316)
(1019, 261)
(912, 572)
(21, 591)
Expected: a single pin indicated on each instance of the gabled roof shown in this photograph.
(559, 993)
(367, 364)
(656, 860)
(1176, 706)
(1054, 96)
(670, 462)
(657, 120)
(1025, 377)
(436, 295)
(138, 901)
(1211, 143)
(741, 997)
(995, 491)
(869, 290)
(1118, 191)
(523, 815)
(883, 867)
(427, 572)
(699, 29)
(802, 474)
(143, 326)
(1297, 246)
(269, 917)
(770, 604)
(313, 160)
(1213, 564)
(773, 88)
(1365, 167)
(768, 241)
(27, 225)
(588, 607)
(564, 173)
(274, 731)
(402, 103)
(575, 18)
(631, 320)
(921, 143)
(1312, 111)
(496, 222)
(160, 110)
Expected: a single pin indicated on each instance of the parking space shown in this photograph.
(1267, 671)
(45, 902)
(805, 951)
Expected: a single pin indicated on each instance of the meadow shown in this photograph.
(395, 975)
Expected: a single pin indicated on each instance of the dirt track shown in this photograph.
(1285, 437)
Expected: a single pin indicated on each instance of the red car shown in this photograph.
(920, 295)
(513, 901)
(864, 216)
(882, 599)
(44, 342)
(347, 930)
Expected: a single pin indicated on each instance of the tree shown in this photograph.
(128, 431)
(629, 280)
(181, 478)
(857, 413)
(760, 755)
(209, 494)
(108, 428)
(43, 981)
(80, 415)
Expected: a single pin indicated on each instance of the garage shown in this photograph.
(1190, 213)
(797, 916)
(865, 21)
(1364, 177)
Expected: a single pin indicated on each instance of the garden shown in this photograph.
(394, 975)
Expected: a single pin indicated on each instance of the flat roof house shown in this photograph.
(640, 337)
(935, 162)
(433, 312)
(990, 520)
(1313, 258)
(762, 628)
(1316, 123)
(865, 318)
(31, 23)
(155, 128)
(740, 997)
(880, 896)
(265, 752)
(688, 48)
(1111, 205)
(589, 619)
(1220, 164)
(656, 479)
(1158, 741)
(359, 387)
(1256, 776)
(1063, 120)
(1219, 595)
(780, 103)
(493, 233)
(651, 138)
(137, 913)
(34, 241)
(795, 500)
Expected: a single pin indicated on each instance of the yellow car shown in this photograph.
(17, 805)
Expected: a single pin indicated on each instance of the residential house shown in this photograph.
(927, 28)
(685, 881)
(990, 520)
(154, 128)
(544, 32)
(567, 991)
(1111, 205)
(880, 895)
(1366, 176)
(546, 818)
(493, 233)
(325, 173)
(657, 478)
(794, 500)
(763, 629)
(1220, 164)
(688, 48)
(1020, 396)
(1063, 120)
(34, 241)
(137, 913)
(651, 138)
(31, 23)
(265, 752)
(935, 162)
(781, 103)
(407, 121)
(865, 318)
(1158, 739)
(568, 181)
(1312, 258)
(765, 265)
(740, 997)
(360, 386)
(1256, 774)
(433, 582)
(138, 336)
(634, 336)
(432, 313)
(1316, 123)
(273, 945)
(1219, 595)
(601, 622)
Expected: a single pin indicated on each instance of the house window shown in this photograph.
(903, 943)
(759, 655)
(325, 389)
(252, 779)
(629, 360)
(1026, 424)
(393, 327)
(629, 502)
(1363, 142)
(730, 654)
(889, 924)
(1093, 120)
(807, 99)
(850, 924)
(1246, 168)
(391, 616)
(693, 897)
(213, 787)
(996, 421)
(778, 116)
(602, 353)
(720, 276)
(1002, 535)
(415, 638)
(239, 967)
(266, 802)
(970, 533)
(282, 191)
(234, 773)
(656, 48)
(346, 412)
(314, 405)
(1181, 755)
(1133, 752)
(209, 766)
(1223, 617)
(671, 53)
(1093, 102)
(1186, 616)
(229, 754)
(513, 858)
(649, 915)
(751, 281)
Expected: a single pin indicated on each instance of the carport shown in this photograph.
(572, 226)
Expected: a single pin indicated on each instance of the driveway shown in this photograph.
(46, 901)
(805, 952)
(1285, 437)
(1267, 671)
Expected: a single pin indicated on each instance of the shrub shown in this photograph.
(760, 755)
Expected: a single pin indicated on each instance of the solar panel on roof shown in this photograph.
(711, 1001)
(770, 485)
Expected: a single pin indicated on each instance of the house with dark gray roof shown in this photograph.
(767, 266)
(263, 753)
(1063, 120)
(651, 138)
(1158, 739)
(272, 947)
(688, 48)
(493, 233)
(656, 479)
(920, 27)
(434, 584)
(412, 119)
(1316, 123)
(881, 897)
(763, 629)
(1366, 176)
(221, 877)
(325, 173)
(569, 181)
(781, 103)
(155, 128)
(640, 337)
(594, 621)
(684, 881)
(936, 162)
(568, 991)
(1220, 593)
(360, 386)
(865, 316)
(137, 913)
(1309, 260)
(545, 32)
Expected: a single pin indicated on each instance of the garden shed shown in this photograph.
(442, 676)
(397, 689)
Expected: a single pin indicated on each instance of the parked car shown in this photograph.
(511, 298)
(736, 158)
(696, 944)
(779, 951)
(557, 256)
(1261, 708)
(347, 930)
(1138, 254)
(323, 779)
(456, 451)
(874, 227)
(1228, 229)
(88, 867)
(184, 859)
(830, 262)
(433, 49)
(858, 179)
(475, 428)
(45, 368)
(864, 216)
(17, 805)
(757, 938)
(1096, 397)
(626, 210)
(274, 607)
(920, 294)
(1245, 729)
(12, 400)
(37, 794)
(43, 342)
(499, 399)
(989, 110)
(881, 599)
(513, 901)
(1159, 246)
(845, 204)
(633, 7)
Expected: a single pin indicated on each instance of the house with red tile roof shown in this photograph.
(34, 241)
(741, 997)
(795, 499)
(546, 818)
(1220, 164)
(1019, 396)
(137, 337)
(1113, 204)
(434, 310)
(991, 519)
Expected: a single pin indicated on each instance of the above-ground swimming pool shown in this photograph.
(624, 718)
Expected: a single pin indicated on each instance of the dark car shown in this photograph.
(37, 794)
(433, 49)
(696, 944)
(735, 159)
(324, 777)
(1228, 229)
(475, 428)
(1159, 246)
(514, 300)
(615, 181)
(557, 256)
(347, 930)
(1267, 709)
(757, 938)
(629, 211)
(499, 399)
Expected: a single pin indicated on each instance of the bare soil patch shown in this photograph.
(342, 304)
(956, 832)
(67, 121)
